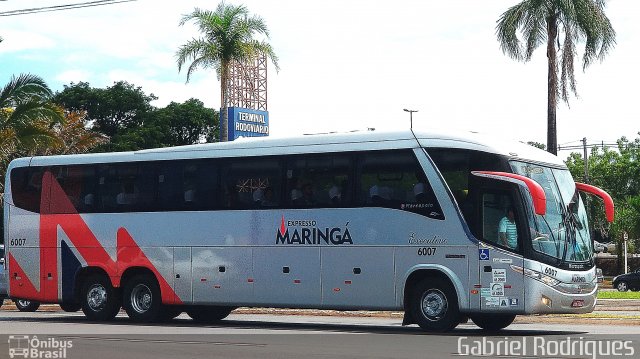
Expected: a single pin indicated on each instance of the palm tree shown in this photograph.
(228, 35)
(27, 119)
(26, 116)
(560, 23)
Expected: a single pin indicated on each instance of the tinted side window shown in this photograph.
(79, 183)
(188, 185)
(500, 225)
(394, 179)
(318, 181)
(26, 187)
(126, 187)
(250, 183)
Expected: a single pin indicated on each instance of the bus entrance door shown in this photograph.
(501, 288)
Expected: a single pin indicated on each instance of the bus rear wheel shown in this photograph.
(100, 300)
(434, 305)
(493, 322)
(25, 305)
(142, 300)
(209, 314)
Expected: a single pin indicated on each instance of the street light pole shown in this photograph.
(410, 116)
(625, 236)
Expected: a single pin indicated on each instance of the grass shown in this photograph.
(618, 295)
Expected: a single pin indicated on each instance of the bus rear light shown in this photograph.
(474, 291)
(578, 303)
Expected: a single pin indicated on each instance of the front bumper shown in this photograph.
(543, 299)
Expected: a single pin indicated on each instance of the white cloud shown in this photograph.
(74, 76)
(16, 41)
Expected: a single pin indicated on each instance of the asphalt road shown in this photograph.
(271, 336)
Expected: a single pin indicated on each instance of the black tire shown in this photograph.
(142, 300)
(622, 286)
(25, 305)
(100, 300)
(493, 322)
(170, 312)
(70, 307)
(444, 314)
(209, 314)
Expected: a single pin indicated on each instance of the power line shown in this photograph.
(577, 147)
(61, 7)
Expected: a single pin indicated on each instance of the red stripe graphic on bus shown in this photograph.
(57, 210)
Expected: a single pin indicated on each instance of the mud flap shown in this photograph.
(407, 319)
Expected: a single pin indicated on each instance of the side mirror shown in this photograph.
(608, 201)
(536, 192)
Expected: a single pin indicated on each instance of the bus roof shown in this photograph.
(331, 142)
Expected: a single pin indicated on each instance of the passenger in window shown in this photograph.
(379, 195)
(296, 197)
(189, 192)
(231, 198)
(507, 230)
(421, 190)
(307, 199)
(335, 196)
(128, 194)
(268, 199)
(258, 195)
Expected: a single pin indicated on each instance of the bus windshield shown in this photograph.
(563, 233)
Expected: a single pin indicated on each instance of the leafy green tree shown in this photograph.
(110, 110)
(175, 125)
(617, 171)
(228, 35)
(560, 24)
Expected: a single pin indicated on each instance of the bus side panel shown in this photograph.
(222, 275)
(358, 277)
(23, 255)
(287, 276)
(182, 282)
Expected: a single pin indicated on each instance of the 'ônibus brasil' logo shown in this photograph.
(307, 232)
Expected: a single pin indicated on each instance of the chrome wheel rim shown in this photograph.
(24, 302)
(622, 287)
(97, 297)
(434, 304)
(141, 298)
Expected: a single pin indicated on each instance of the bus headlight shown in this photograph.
(550, 281)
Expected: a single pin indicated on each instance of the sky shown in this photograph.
(344, 65)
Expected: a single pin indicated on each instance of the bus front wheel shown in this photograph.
(100, 300)
(434, 305)
(492, 322)
(142, 300)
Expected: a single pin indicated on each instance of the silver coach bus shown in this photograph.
(444, 226)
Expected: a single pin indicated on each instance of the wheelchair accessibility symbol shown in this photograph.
(483, 254)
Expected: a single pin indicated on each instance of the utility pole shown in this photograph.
(586, 160)
(626, 239)
(410, 116)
